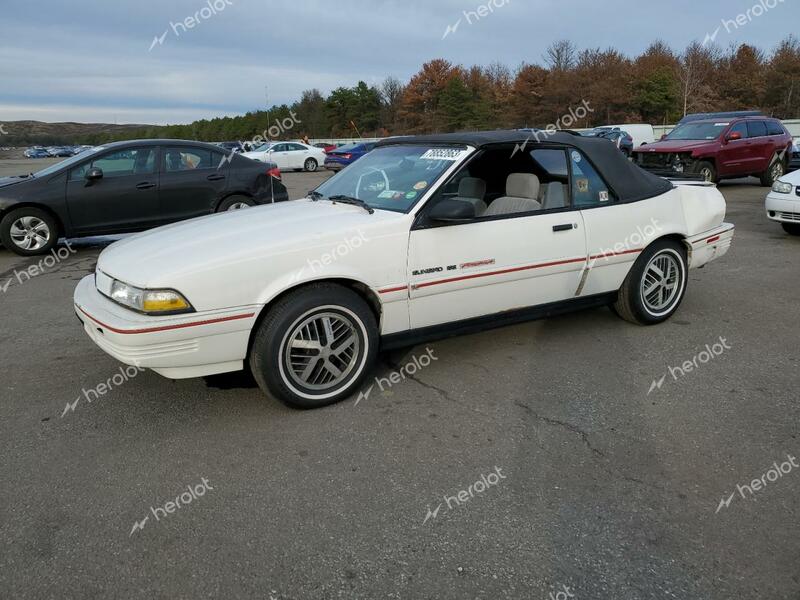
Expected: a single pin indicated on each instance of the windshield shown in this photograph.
(264, 147)
(393, 177)
(68, 162)
(698, 131)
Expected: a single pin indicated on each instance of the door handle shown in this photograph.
(564, 227)
(145, 185)
(215, 177)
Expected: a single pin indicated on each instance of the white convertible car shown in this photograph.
(423, 237)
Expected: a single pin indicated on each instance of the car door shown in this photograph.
(297, 155)
(735, 154)
(279, 154)
(762, 148)
(124, 199)
(192, 182)
(493, 264)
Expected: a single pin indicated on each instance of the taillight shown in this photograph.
(274, 172)
(346, 156)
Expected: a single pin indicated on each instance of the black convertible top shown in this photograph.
(627, 180)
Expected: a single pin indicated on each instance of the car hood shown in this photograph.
(6, 181)
(213, 243)
(676, 146)
(793, 178)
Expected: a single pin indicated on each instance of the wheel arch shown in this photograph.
(363, 290)
(682, 241)
(62, 229)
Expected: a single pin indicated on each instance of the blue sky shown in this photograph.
(90, 60)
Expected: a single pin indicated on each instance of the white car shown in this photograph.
(422, 238)
(783, 202)
(289, 155)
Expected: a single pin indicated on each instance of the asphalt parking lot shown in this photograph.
(603, 468)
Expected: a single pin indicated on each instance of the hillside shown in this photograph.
(29, 133)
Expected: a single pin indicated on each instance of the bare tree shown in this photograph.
(560, 55)
(695, 70)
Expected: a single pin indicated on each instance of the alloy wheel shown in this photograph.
(322, 350)
(238, 206)
(30, 233)
(661, 283)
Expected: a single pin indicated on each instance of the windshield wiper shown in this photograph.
(314, 195)
(353, 201)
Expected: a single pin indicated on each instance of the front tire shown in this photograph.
(655, 286)
(707, 171)
(311, 165)
(791, 228)
(773, 173)
(315, 346)
(29, 231)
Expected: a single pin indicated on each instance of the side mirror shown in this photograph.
(733, 136)
(92, 175)
(452, 211)
(663, 137)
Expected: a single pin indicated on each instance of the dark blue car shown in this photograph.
(346, 155)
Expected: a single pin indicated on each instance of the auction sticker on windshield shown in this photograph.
(444, 154)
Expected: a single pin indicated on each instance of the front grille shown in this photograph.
(789, 216)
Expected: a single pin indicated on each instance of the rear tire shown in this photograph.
(775, 171)
(311, 165)
(235, 203)
(791, 228)
(655, 286)
(315, 346)
(29, 231)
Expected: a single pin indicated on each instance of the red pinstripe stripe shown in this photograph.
(502, 272)
(167, 327)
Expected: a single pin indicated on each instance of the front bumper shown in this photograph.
(178, 347)
(783, 208)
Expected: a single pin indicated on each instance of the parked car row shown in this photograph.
(54, 151)
(289, 155)
(622, 139)
(129, 186)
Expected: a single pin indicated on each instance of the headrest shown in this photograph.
(472, 187)
(522, 185)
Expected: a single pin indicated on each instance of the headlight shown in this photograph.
(149, 302)
(782, 187)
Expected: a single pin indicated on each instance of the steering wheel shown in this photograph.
(373, 187)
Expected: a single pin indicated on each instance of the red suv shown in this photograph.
(717, 149)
